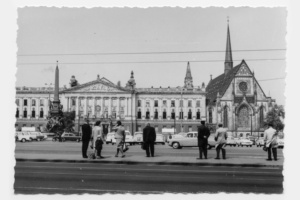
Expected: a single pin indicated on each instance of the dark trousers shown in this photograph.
(203, 151)
(270, 151)
(219, 147)
(149, 145)
(85, 145)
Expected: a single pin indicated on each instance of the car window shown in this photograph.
(195, 134)
(189, 135)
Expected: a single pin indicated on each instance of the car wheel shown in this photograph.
(107, 142)
(163, 143)
(250, 145)
(38, 139)
(241, 145)
(23, 140)
(176, 145)
(234, 145)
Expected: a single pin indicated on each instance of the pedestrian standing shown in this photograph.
(270, 138)
(220, 138)
(203, 135)
(86, 137)
(120, 138)
(98, 139)
(149, 138)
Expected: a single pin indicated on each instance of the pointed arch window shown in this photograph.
(244, 117)
(261, 116)
(225, 117)
(210, 116)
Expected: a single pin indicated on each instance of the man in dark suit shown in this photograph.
(149, 137)
(86, 137)
(203, 134)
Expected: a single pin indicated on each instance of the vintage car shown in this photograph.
(138, 138)
(36, 136)
(128, 139)
(109, 137)
(189, 140)
(244, 142)
(231, 141)
(23, 136)
(280, 143)
(67, 137)
(260, 142)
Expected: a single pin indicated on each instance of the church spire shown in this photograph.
(228, 54)
(188, 80)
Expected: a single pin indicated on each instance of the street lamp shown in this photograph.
(181, 112)
(251, 123)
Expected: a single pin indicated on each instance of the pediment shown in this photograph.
(244, 70)
(98, 87)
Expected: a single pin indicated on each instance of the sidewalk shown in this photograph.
(158, 160)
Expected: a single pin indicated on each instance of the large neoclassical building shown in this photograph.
(101, 99)
(233, 98)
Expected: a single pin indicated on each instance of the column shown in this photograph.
(29, 108)
(21, 108)
(118, 108)
(77, 107)
(126, 107)
(101, 105)
(68, 104)
(85, 107)
(37, 112)
(93, 106)
(160, 108)
(109, 106)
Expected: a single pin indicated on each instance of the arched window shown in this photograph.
(164, 114)
(41, 113)
(198, 114)
(155, 114)
(244, 117)
(190, 114)
(33, 112)
(173, 114)
(210, 117)
(147, 114)
(25, 113)
(225, 117)
(261, 116)
(17, 113)
(139, 114)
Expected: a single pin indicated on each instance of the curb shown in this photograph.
(146, 163)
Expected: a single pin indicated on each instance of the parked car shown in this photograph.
(189, 140)
(109, 137)
(159, 139)
(244, 142)
(36, 136)
(252, 139)
(260, 142)
(23, 136)
(67, 137)
(231, 141)
(138, 137)
(280, 143)
(128, 139)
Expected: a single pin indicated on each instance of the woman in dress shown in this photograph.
(120, 138)
(98, 139)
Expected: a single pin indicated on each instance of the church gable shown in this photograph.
(244, 70)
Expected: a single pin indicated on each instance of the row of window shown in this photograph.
(33, 113)
(164, 103)
(33, 102)
(164, 114)
(157, 129)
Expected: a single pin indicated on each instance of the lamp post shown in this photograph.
(251, 123)
(181, 112)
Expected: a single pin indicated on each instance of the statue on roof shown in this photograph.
(73, 81)
(131, 82)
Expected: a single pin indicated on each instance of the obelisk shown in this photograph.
(55, 111)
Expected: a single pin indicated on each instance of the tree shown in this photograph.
(276, 116)
(61, 124)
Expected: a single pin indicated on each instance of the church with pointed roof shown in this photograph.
(235, 98)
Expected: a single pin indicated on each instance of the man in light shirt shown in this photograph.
(270, 138)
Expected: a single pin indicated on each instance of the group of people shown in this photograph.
(149, 138)
(270, 141)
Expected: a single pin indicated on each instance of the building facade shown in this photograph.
(100, 99)
(236, 99)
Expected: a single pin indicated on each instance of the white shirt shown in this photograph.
(269, 133)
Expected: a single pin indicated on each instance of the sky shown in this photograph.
(94, 36)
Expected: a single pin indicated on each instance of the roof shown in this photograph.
(220, 84)
(169, 90)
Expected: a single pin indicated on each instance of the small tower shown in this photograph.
(56, 107)
(131, 82)
(228, 64)
(188, 80)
